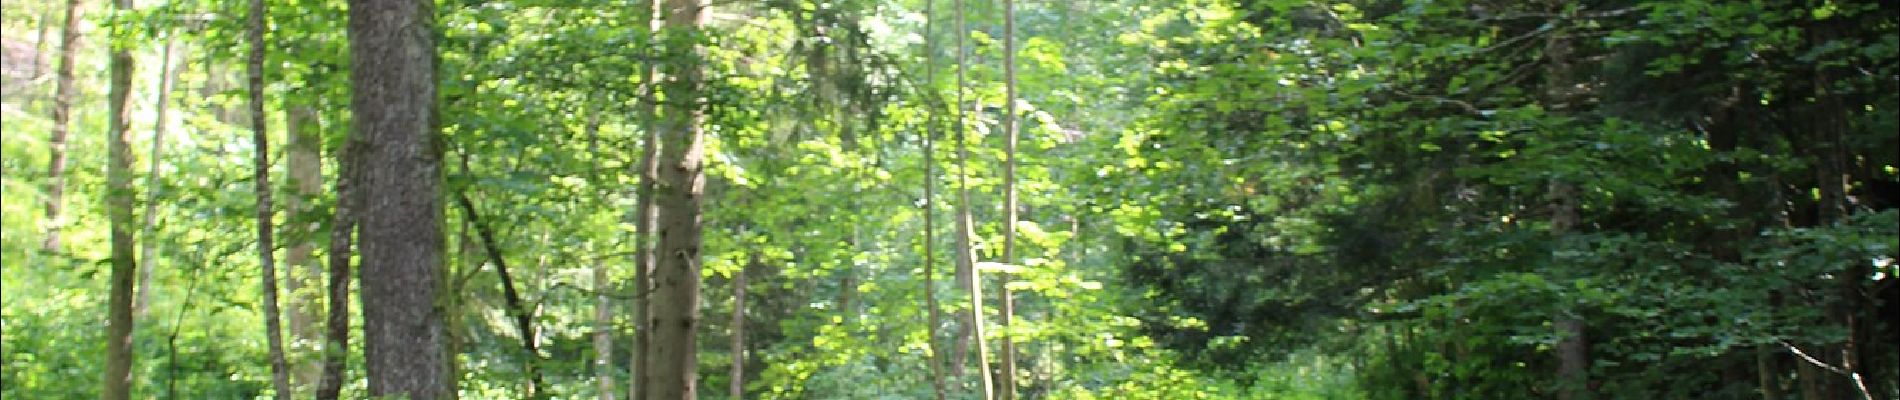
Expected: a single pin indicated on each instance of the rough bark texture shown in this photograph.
(672, 365)
(260, 138)
(343, 223)
(1008, 308)
(392, 101)
(148, 248)
(646, 218)
(62, 123)
(303, 154)
(118, 368)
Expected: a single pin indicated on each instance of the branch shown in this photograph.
(1858, 384)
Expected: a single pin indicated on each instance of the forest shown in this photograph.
(950, 199)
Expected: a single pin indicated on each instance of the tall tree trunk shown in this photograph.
(63, 92)
(118, 368)
(148, 248)
(343, 223)
(1008, 308)
(603, 304)
(672, 366)
(966, 262)
(392, 57)
(736, 388)
(647, 217)
(273, 325)
(1573, 354)
(303, 160)
(524, 318)
(930, 206)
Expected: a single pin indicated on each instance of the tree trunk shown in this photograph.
(736, 388)
(603, 304)
(392, 53)
(672, 366)
(148, 248)
(63, 92)
(343, 223)
(966, 262)
(930, 208)
(1573, 354)
(118, 368)
(1008, 300)
(273, 325)
(647, 217)
(303, 159)
(524, 319)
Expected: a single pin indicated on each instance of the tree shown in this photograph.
(148, 249)
(736, 387)
(1008, 306)
(392, 102)
(260, 138)
(343, 229)
(646, 219)
(931, 120)
(672, 365)
(966, 251)
(62, 122)
(303, 155)
(118, 202)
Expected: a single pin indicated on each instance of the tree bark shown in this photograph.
(672, 366)
(647, 217)
(148, 248)
(303, 160)
(1008, 300)
(273, 325)
(392, 101)
(118, 368)
(343, 223)
(63, 92)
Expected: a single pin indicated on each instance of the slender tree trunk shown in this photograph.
(273, 325)
(930, 207)
(392, 57)
(1008, 308)
(63, 92)
(1573, 351)
(148, 248)
(603, 304)
(118, 368)
(524, 318)
(349, 199)
(43, 25)
(672, 366)
(303, 160)
(966, 262)
(647, 217)
(736, 388)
